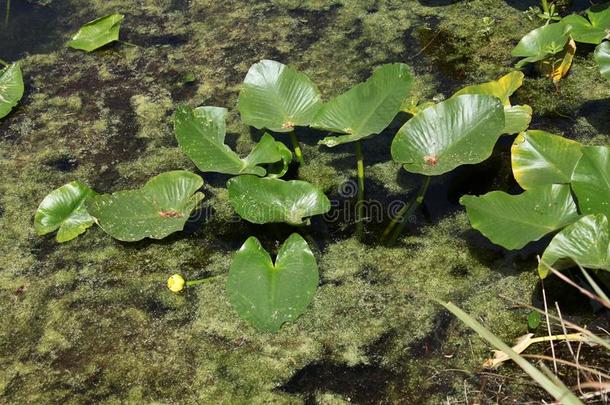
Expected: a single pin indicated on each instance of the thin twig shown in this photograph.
(548, 326)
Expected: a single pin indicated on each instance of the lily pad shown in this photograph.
(540, 158)
(512, 221)
(590, 30)
(585, 242)
(201, 133)
(267, 295)
(64, 209)
(97, 33)
(591, 180)
(161, 207)
(277, 97)
(367, 108)
(461, 130)
(11, 88)
(265, 200)
(541, 43)
(602, 57)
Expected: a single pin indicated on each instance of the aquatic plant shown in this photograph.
(279, 98)
(97, 33)
(364, 111)
(268, 294)
(201, 132)
(11, 88)
(265, 200)
(541, 43)
(594, 28)
(602, 57)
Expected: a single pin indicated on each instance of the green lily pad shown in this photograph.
(512, 221)
(602, 57)
(461, 130)
(201, 133)
(367, 108)
(592, 30)
(540, 158)
(161, 207)
(591, 180)
(585, 242)
(64, 209)
(541, 43)
(277, 97)
(11, 88)
(97, 33)
(264, 200)
(267, 295)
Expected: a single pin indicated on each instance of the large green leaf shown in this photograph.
(266, 294)
(513, 221)
(585, 242)
(460, 130)
(264, 200)
(201, 133)
(540, 158)
(541, 43)
(591, 180)
(162, 206)
(502, 88)
(97, 33)
(11, 88)
(602, 57)
(277, 97)
(367, 108)
(592, 30)
(64, 209)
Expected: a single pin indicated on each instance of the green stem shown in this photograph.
(127, 43)
(360, 200)
(296, 147)
(190, 283)
(3, 62)
(399, 222)
(8, 13)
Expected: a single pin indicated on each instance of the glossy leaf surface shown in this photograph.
(502, 88)
(594, 28)
(97, 33)
(591, 180)
(11, 88)
(541, 43)
(602, 57)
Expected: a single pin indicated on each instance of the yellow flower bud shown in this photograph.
(176, 283)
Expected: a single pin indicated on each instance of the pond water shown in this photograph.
(92, 321)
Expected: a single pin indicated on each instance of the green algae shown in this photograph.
(92, 321)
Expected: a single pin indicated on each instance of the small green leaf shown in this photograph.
(161, 207)
(11, 88)
(201, 133)
(516, 119)
(367, 108)
(277, 97)
(461, 130)
(513, 221)
(540, 158)
(502, 88)
(541, 43)
(264, 200)
(585, 242)
(64, 209)
(591, 31)
(267, 295)
(602, 57)
(591, 180)
(97, 33)
(279, 169)
(533, 320)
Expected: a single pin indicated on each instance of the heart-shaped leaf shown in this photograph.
(461, 130)
(277, 97)
(540, 158)
(585, 242)
(512, 221)
(264, 200)
(267, 295)
(201, 133)
(592, 30)
(591, 180)
(97, 33)
(161, 207)
(367, 108)
(602, 57)
(11, 88)
(64, 209)
(541, 43)
(502, 88)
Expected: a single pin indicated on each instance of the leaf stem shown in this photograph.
(399, 221)
(360, 200)
(190, 283)
(296, 147)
